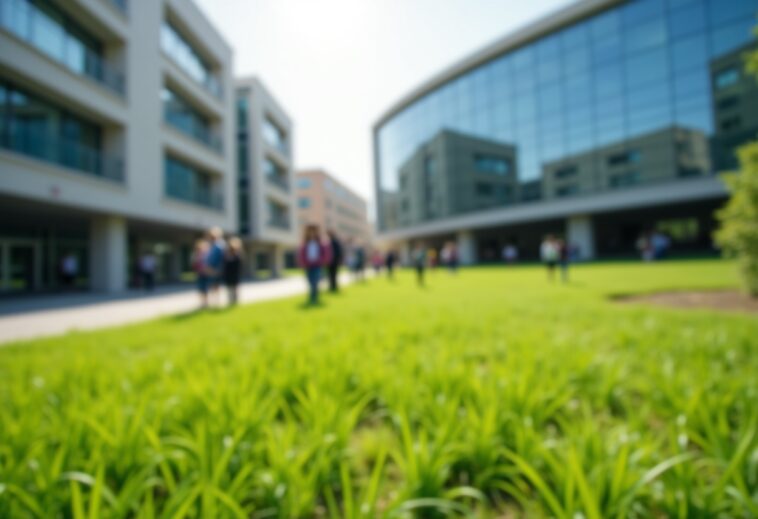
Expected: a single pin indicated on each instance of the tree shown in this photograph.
(738, 235)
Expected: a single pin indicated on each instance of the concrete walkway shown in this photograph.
(40, 316)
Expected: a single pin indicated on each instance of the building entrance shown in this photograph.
(20, 265)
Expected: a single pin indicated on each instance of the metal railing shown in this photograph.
(205, 198)
(64, 152)
(24, 21)
(196, 131)
(279, 181)
(279, 222)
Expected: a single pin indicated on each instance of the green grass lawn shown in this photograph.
(488, 394)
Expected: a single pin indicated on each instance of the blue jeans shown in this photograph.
(314, 276)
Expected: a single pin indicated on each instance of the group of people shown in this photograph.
(216, 261)
(421, 258)
(316, 255)
(653, 245)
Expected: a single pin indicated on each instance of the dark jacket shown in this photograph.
(232, 269)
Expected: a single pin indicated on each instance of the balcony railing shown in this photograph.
(209, 199)
(279, 181)
(26, 22)
(64, 152)
(196, 131)
(279, 222)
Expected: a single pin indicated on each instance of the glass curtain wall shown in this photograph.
(178, 112)
(274, 136)
(47, 28)
(33, 126)
(190, 184)
(637, 79)
(189, 59)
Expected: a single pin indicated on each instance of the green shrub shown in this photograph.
(738, 235)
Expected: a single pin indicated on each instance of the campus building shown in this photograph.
(325, 201)
(116, 138)
(600, 122)
(266, 195)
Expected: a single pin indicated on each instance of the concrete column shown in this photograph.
(277, 261)
(466, 248)
(251, 260)
(176, 262)
(108, 254)
(580, 233)
(405, 252)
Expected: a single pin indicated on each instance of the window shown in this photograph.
(188, 58)
(728, 102)
(731, 123)
(568, 190)
(727, 78)
(483, 189)
(275, 174)
(491, 164)
(190, 184)
(242, 112)
(278, 215)
(627, 157)
(274, 136)
(178, 112)
(36, 127)
(303, 202)
(51, 31)
(304, 183)
(565, 172)
(628, 178)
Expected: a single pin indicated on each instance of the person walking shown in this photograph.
(199, 256)
(313, 256)
(215, 263)
(549, 254)
(389, 263)
(564, 257)
(335, 261)
(147, 264)
(69, 269)
(233, 269)
(419, 263)
(377, 261)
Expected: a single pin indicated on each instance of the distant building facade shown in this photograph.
(116, 139)
(326, 202)
(617, 115)
(455, 173)
(266, 193)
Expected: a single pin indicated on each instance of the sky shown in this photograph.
(337, 65)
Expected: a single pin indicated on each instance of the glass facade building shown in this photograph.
(642, 92)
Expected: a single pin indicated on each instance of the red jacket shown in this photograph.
(324, 256)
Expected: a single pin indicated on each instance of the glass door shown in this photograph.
(20, 266)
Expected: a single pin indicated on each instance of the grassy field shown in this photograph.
(488, 394)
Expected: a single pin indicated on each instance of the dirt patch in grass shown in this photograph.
(724, 300)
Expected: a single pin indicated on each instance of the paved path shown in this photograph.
(40, 316)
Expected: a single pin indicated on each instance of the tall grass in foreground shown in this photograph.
(490, 394)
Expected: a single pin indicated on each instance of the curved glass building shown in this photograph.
(601, 122)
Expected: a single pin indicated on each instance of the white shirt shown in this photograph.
(312, 251)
